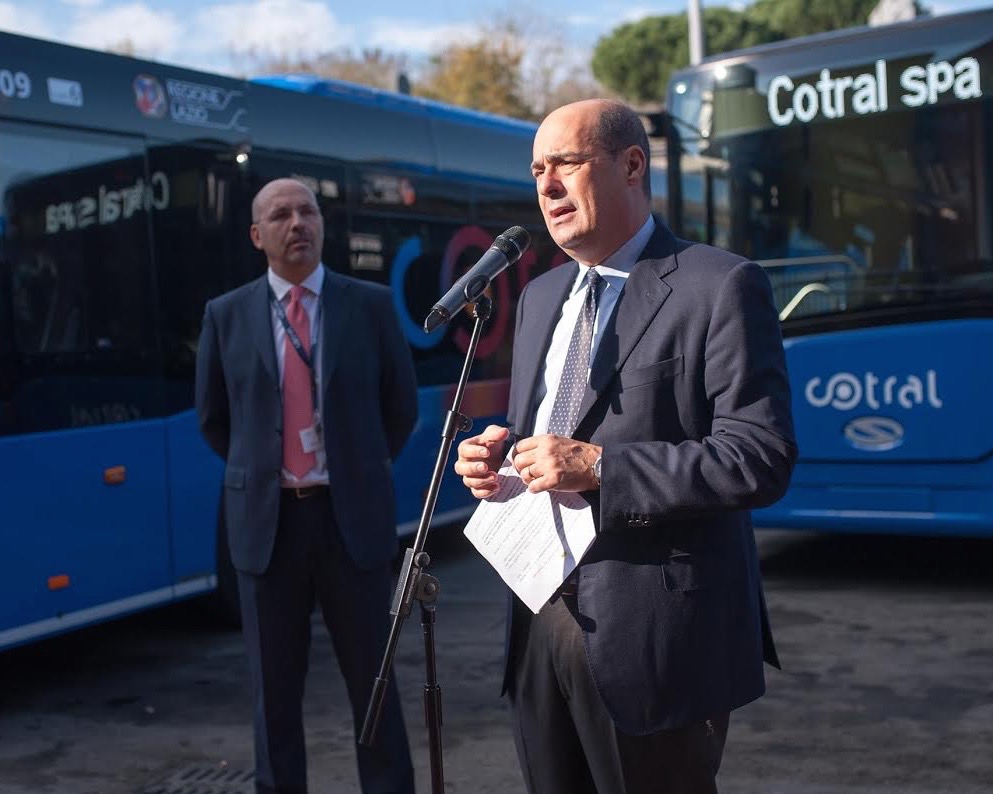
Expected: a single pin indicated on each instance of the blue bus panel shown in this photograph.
(892, 432)
(125, 204)
(856, 166)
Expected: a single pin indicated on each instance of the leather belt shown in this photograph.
(307, 491)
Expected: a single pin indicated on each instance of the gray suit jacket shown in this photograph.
(690, 400)
(369, 408)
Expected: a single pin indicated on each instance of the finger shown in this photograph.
(527, 444)
(469, 451)
(480, 484)
(538, 485)
(470, 468)
(522, 460)
(494, 434)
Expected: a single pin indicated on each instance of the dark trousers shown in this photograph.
(568, 744)
(308, 562)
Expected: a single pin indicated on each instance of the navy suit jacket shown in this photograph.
(369, 407)
(689, 398)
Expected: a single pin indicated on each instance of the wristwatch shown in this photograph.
(596, 468)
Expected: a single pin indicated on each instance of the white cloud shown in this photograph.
(14, 18)
(270, 28)
(82, 3)
(640, 12)
(153, 34)
(417, 38)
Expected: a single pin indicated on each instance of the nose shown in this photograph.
(296, 219)
(549, 186)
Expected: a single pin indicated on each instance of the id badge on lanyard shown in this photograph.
(311, 437)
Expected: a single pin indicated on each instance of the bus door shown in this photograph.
(81, 440)
(201, 248)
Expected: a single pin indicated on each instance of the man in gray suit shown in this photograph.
(305, 387)
(657, 388)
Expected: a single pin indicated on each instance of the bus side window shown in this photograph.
(78, 279)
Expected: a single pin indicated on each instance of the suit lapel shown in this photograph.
(537, 328)
(336, 309)
(261, 322)
(642, 298)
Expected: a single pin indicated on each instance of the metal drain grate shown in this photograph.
(205, 779)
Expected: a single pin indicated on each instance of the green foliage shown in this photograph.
(636, 59)
(792, 18)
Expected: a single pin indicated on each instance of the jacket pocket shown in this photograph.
(684, 572)
(234, 477)
(653, 372)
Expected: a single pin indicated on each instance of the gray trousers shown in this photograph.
(308, 562)
(568, 744)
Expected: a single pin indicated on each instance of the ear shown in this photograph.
(253, 232)
(635, 164)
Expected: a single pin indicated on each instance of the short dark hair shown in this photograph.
(619, 127)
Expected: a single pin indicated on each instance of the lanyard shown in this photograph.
(294, 338)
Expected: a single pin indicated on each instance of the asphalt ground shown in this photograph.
(887, 686)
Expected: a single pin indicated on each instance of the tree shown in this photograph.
(506, 68)
(637, 59)
(484, 75)
(372, 67)
(792, 18)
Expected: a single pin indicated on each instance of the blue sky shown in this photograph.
(217, 34)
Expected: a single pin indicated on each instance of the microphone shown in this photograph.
(506, 249)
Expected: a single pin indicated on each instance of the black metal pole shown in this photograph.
(415, 583)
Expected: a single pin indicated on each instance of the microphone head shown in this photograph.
(513, 242)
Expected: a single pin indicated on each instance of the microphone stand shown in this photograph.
(415, 583)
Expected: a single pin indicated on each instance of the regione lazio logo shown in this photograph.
(149, 96)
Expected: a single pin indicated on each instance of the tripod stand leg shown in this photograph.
(432, 701)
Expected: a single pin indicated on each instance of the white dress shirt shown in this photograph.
(615, 270)
(311, 301)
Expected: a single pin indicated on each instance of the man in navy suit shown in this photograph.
(657, 388)
(305, 387)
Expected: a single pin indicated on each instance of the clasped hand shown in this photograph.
(545, 463)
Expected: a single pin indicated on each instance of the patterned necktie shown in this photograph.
(572, 386)
(298, 405)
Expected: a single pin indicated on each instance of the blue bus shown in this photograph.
(126, 188)
(857, 166)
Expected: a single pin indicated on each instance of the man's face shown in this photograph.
(582, 190)
(288, 227)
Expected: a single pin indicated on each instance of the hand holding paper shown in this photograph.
(534, 541)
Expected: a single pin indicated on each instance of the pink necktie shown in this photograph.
(298, 406)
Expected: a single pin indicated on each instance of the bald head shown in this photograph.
(590, 164)
(274, 188)
(287, 226)
(613, 127)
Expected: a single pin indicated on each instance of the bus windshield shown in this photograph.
(854, 202)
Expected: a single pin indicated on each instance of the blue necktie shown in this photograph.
(572, 386)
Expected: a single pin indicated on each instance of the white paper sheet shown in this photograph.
(534, 541)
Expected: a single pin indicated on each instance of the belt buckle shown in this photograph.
(305, 492)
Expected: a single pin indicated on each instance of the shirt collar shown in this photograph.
(280, 286)
(618, 266)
